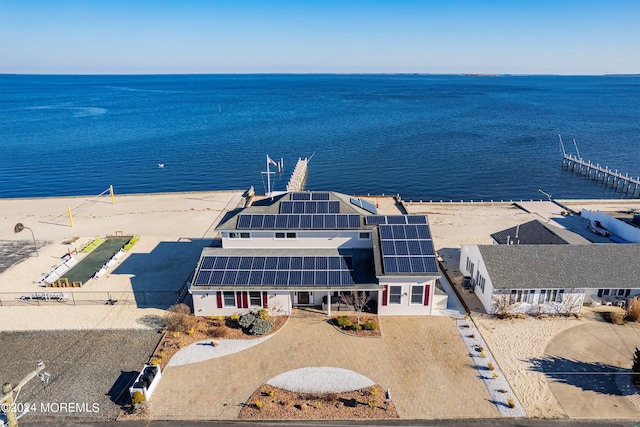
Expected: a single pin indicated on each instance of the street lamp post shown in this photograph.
(19, 227)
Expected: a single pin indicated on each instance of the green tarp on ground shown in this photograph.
(93, 262)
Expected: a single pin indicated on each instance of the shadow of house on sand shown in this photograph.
(158, 276)
(596, 377)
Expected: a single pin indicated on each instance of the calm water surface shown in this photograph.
(424, 137)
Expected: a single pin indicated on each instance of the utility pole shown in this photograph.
(11, 393)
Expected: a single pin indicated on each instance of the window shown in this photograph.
(365, 235)
(395, 294)
(236, 235)
(417, 293)
(521, 296)
(229, 299)
(281, 235)
(255, 299)
(481, 283)
(551, 295)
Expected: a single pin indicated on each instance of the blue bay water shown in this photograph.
(422, 136)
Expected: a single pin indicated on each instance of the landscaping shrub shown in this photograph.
(356, 327)
(246, 320)
(511, 402)
(260, 327)
(259, 404)
(370, 325)
(220, 332)
(617, 317)
(633, 312)
(178, 318)
(137, 398)
(490, 366)
(235, 317)
(263, 314)
(343, 321)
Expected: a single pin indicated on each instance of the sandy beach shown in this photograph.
(173, 228)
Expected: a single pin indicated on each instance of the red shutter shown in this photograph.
(219, 296)
(427, 288)
(264, 300)
(385, 294)
(245, 300)
(239, 299)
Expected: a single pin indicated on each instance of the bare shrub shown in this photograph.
(633, 311)
(220, 332)
(572, 302)
(502, 306)
(617, 317)
(178, 318)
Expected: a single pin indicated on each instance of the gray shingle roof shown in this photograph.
(562, 266)
(529, 233)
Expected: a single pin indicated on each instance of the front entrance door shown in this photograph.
(303, 298)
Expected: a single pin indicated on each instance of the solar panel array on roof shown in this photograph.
(298, 222)
(310, 196)
(309, 206)
(275, 271)
(361, 203)
(396, 219)
(407, 248)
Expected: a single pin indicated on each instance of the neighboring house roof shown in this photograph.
(562, 266)
(530, 233)
(291, 269)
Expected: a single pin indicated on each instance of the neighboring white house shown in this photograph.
(551, 278)
(305, 248)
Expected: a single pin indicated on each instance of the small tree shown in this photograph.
(356, 300)
(636, 367)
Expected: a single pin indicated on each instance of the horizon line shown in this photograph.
(328, 74)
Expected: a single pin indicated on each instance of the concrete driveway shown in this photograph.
(421, 359)
(588, 369)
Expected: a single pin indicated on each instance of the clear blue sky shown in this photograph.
(333, 36)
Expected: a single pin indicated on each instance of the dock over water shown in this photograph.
(299, 175)
(616, 179)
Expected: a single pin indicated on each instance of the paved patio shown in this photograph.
(421, 359)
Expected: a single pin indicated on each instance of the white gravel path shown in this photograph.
(320, 380)
(204, 350)
(467, 328)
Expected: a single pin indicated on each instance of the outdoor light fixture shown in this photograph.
(19, 227)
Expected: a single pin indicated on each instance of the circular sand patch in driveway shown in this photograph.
(320, 380)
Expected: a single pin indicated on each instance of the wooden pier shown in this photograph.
(296, 182)
(617, 180)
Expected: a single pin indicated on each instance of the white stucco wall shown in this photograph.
(205, 303)
(405, 308)
(480, 269)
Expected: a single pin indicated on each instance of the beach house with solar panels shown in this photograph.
(305, 248)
